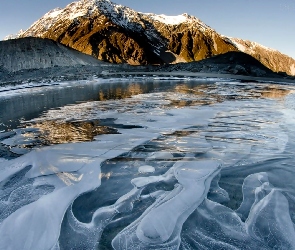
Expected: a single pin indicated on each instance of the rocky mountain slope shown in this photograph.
(35, 53)
(271, 58)
(118, 34)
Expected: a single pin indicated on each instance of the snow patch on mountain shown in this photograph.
(13, 36)
(76, 15)
(170, 20)
(246, 45)
(80, 8)
(255, 44)
(70, 12)
(238, 45)
(53, 13)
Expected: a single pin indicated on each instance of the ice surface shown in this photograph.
(249, 187)
(269, 220)
(146, 169)
(6, 135)
(144, 181)
(214, 226)
(160, 225)
(78, 235)
(216, 193)
(215, 175)
(73, 169)
(160, 156)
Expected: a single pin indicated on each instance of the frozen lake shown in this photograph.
(149, 163)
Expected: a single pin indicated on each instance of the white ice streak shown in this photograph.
(216, 193)
(160, 225)
(249, 186)
(146, 169)
(80, 235)
(269, 220)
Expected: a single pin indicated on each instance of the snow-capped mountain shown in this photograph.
(118, 34)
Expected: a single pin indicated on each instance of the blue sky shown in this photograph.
(269, 22)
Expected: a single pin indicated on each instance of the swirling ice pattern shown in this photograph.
(176, 191)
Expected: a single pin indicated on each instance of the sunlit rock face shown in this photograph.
(206, 175)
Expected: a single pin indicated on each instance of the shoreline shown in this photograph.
(86, 73)
(205, 75)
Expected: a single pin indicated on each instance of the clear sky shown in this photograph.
(269, 22)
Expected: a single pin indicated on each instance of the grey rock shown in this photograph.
(36, 53)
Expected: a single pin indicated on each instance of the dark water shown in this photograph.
(26, 104)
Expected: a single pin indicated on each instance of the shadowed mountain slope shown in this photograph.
(36, 53)
(236, 63)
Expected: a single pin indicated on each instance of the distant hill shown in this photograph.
(236, 63)
(118, 34)
(37, 53)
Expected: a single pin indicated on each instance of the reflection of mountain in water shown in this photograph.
(124, 91)
(33, 102)
(212, 93)
(272, 92)
(52, 132)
